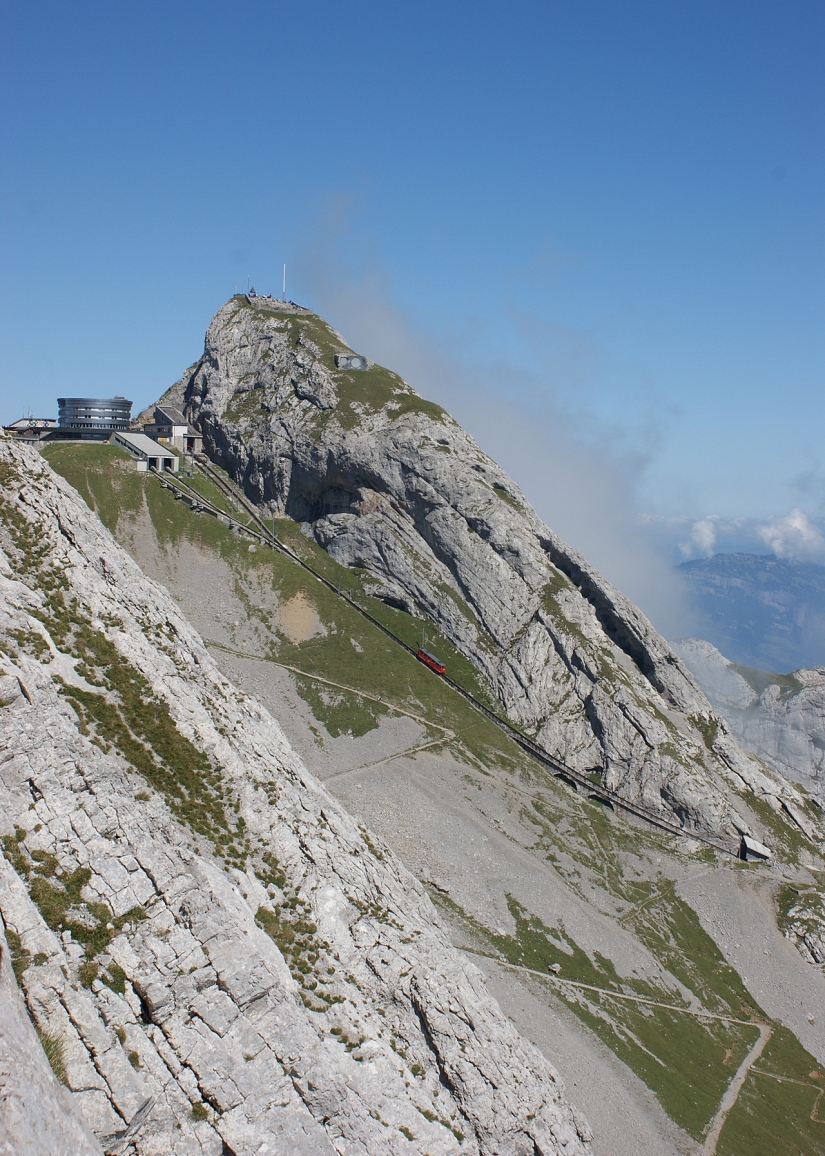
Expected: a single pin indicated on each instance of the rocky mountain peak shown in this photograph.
(389, 482)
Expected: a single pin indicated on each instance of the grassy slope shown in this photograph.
(686, 1061)
(760, 680)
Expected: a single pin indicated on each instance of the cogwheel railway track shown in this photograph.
(255, 527)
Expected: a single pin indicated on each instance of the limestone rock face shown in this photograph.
(803, 923)
(389, 482)
(229, 963)
(37, 1114)
(781, 718)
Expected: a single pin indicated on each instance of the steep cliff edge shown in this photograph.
(389, 483)
(228, 963)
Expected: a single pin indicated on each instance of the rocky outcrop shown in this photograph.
(226, 961)
(802, 920)
(387, 481)
(781, 718)
(37, 1114)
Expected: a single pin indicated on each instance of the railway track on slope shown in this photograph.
(257, 528)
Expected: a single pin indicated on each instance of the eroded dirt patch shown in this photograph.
(298, 619)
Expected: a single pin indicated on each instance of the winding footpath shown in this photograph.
(734, 1088)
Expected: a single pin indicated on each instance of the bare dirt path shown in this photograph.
(698, 1012)
(448, 734)
(408, 753)
(734, 1088)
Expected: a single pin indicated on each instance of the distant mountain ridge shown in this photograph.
(760, 610)
(779, 717)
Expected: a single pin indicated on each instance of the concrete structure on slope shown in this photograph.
(753, 851)
(171, 426)
(148, 454)
(30, 428)
(352, 361)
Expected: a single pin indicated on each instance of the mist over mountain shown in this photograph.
(761, 610)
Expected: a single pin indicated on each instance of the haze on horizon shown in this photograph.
(593, 231)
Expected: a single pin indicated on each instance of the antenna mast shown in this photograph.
(284, 292)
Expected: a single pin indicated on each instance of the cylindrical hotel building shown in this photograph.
(94, 413)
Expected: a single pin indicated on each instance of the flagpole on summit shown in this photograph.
(284, 292)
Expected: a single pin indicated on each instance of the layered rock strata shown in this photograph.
(228, 963)
(388, 482)
(37, 1114)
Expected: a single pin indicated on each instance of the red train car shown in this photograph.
(430, 660)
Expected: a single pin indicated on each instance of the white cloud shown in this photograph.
(793, 536)
(703, 536)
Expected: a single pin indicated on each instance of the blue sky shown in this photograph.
(601, 219)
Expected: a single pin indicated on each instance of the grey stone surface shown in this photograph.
(38, 1117)
(390, 483)
(405, 1053)
(782, 721)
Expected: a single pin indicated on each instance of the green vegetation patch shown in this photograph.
(802, 908)
(786, 839)
(103, 475)
(130, 717)
(306, 955)
(506, 496)
(760, 680)
(105, 478)
(340, 712)
(779, 1111)
(555, 584)
(20, 957)
(671, 930)
(707, 728)
(686, 1061)
(143, 733)
(360, 392)
(53, 1046)
(550, 605)
(369, 391)
(59, 898)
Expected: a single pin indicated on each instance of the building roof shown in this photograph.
(144, 446)
(32, 423)
(753, 847)
(171, 414)
(108, 401)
